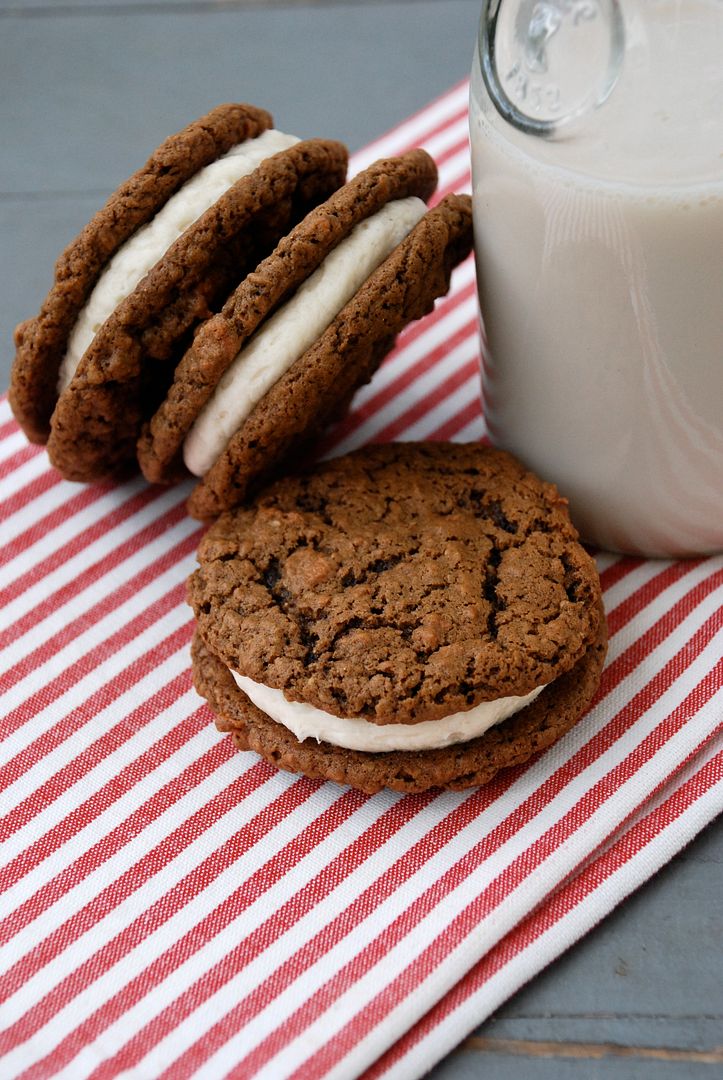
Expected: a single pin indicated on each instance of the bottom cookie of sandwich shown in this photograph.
(455, 767)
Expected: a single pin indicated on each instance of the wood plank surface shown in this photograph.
(641, 996)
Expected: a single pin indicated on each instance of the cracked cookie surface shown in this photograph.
(399, 584)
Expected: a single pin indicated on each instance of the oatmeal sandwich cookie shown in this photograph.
(409, 616)
(304, 330)
(159, 257)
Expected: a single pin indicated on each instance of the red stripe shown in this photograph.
(157, 913)
(620, 667)
(41, 699)
(454, 182)
(429, 133)
(343, 924)
(103, 849)
(39, 799)
(374, 837)
(478, 909)
(26, 494)
(427, 360)
(42, 526)
(65, 935)
(442, 127)
(50, 692)
(462, 144)
(234, 962)
(82, 920)
(455, 176)
(10, 427)
(315, 833)
(443, 308)
(20, 457)
(73, 547)
(642, 597)
(619, 570)
(424, 405)
(560, 904)
(471, 411)
(387, 393)
(248, 835)
(637, 837)
(533, 805)
(71, 723)
(92, 616)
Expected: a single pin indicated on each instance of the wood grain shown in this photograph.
(528, 1048)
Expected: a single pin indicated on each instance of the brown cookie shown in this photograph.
(126, 370)
(320, 384)
(296, 257)
(403, 583)
(41, 341)
(457, 767)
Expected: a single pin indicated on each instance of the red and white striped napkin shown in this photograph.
(173, 908)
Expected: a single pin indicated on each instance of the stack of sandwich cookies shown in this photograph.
(302, 332)
(42, 341)
(410, 616)
(297, 257)
(161, 256)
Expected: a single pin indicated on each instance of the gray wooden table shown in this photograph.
(87, 89)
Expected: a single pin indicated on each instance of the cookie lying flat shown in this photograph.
(410, 616)
(305, 330)
(133, 311)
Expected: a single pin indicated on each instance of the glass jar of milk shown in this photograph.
(597, 168)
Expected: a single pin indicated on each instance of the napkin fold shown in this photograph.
(173, 908)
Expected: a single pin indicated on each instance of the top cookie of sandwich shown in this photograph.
(399, 584)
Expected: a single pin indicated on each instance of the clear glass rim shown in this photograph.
(530, 125)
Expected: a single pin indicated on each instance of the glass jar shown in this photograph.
(597, 166)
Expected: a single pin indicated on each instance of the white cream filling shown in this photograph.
(353, 733)
(294, 328)
(142, 251)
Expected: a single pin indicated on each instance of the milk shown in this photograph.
(600, 268)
